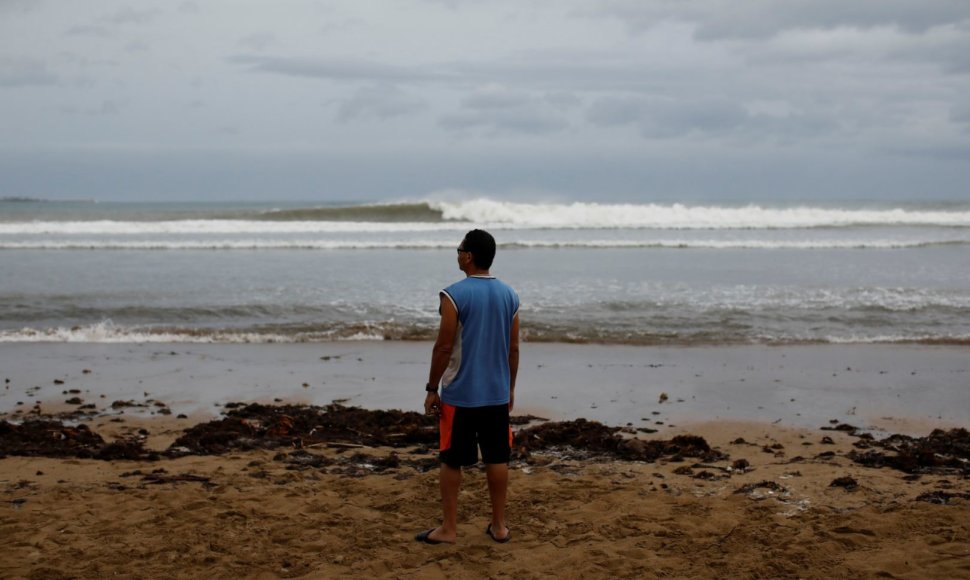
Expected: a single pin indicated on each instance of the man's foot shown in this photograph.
(434, 536)
(500, 539)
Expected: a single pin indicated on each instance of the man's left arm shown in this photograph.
(513, 359)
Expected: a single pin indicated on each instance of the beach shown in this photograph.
(780, 492)
(725, 389)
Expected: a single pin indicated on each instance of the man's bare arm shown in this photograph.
(513, 359)
(441, 355)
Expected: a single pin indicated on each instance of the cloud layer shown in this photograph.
(614, 98)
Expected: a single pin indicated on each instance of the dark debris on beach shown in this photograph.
(295, 428)
(580, 439)
(263, 426)
(941, 452)
(259, 426)
(51, 438)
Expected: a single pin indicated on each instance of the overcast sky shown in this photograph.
(609, 100)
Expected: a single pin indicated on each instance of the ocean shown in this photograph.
(643, 274)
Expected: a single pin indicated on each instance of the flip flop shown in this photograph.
(488, 531)
(424, 537)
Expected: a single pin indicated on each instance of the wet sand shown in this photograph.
(777, 497)
(893, 388)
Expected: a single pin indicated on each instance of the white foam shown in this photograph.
(236, 244)
(204, 227)
(312, 244)
(679, 216)
(897, 339)
(108, 332)
(505, 215)
(757, 299)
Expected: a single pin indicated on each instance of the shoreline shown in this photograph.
(883, 388)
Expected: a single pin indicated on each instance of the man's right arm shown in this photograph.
(441, 355)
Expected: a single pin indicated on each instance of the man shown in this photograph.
(475, 358)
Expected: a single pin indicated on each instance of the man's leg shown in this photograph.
(498, 487)
(449, 480)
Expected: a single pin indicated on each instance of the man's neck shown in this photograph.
(476, 272)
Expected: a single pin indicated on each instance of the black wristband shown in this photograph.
(431, 389)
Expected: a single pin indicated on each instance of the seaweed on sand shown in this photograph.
(939, 452)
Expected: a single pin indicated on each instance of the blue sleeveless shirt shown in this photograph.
(478, 372)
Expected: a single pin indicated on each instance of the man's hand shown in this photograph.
(511, 400)
(432, 404)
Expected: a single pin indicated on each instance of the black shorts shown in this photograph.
(465, 429)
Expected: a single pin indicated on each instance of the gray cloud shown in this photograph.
(562, 100)
(128, 15)
(24, 72)
(505, 121)
(538, 71)
(93, 30)
(105, 27)
(336, 69)
(107, 108)
(104, 109)
(379, 101)
(720, 19)
(259, 41)
(946, 46)
(810, 86)
(666, 118)
(500, 110)
(19, 6)
(960, 112)
(491, 106)
(671, 173)
(950, 48)
(495, 97)
(952, 152)
(137, 46)
(610, 111)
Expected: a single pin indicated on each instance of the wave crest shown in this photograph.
(311, 244)
(507, 215)
(387, 212)
(680, 216)
(108, 332)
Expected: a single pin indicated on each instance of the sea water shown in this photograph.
(649, 273)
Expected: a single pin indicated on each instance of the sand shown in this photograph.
(246, 515)
(253, 514)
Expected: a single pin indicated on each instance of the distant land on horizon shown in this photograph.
(24, 199)
(14, 198)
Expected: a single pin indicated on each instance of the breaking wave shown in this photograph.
(505, 215)
(680, 216)
(108, 332)
(311, 244)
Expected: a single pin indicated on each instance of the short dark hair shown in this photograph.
(481, 244)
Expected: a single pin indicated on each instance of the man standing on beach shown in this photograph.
(475, 359)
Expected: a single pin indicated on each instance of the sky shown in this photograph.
(363, 100)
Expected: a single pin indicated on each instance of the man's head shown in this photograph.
(480, 245)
